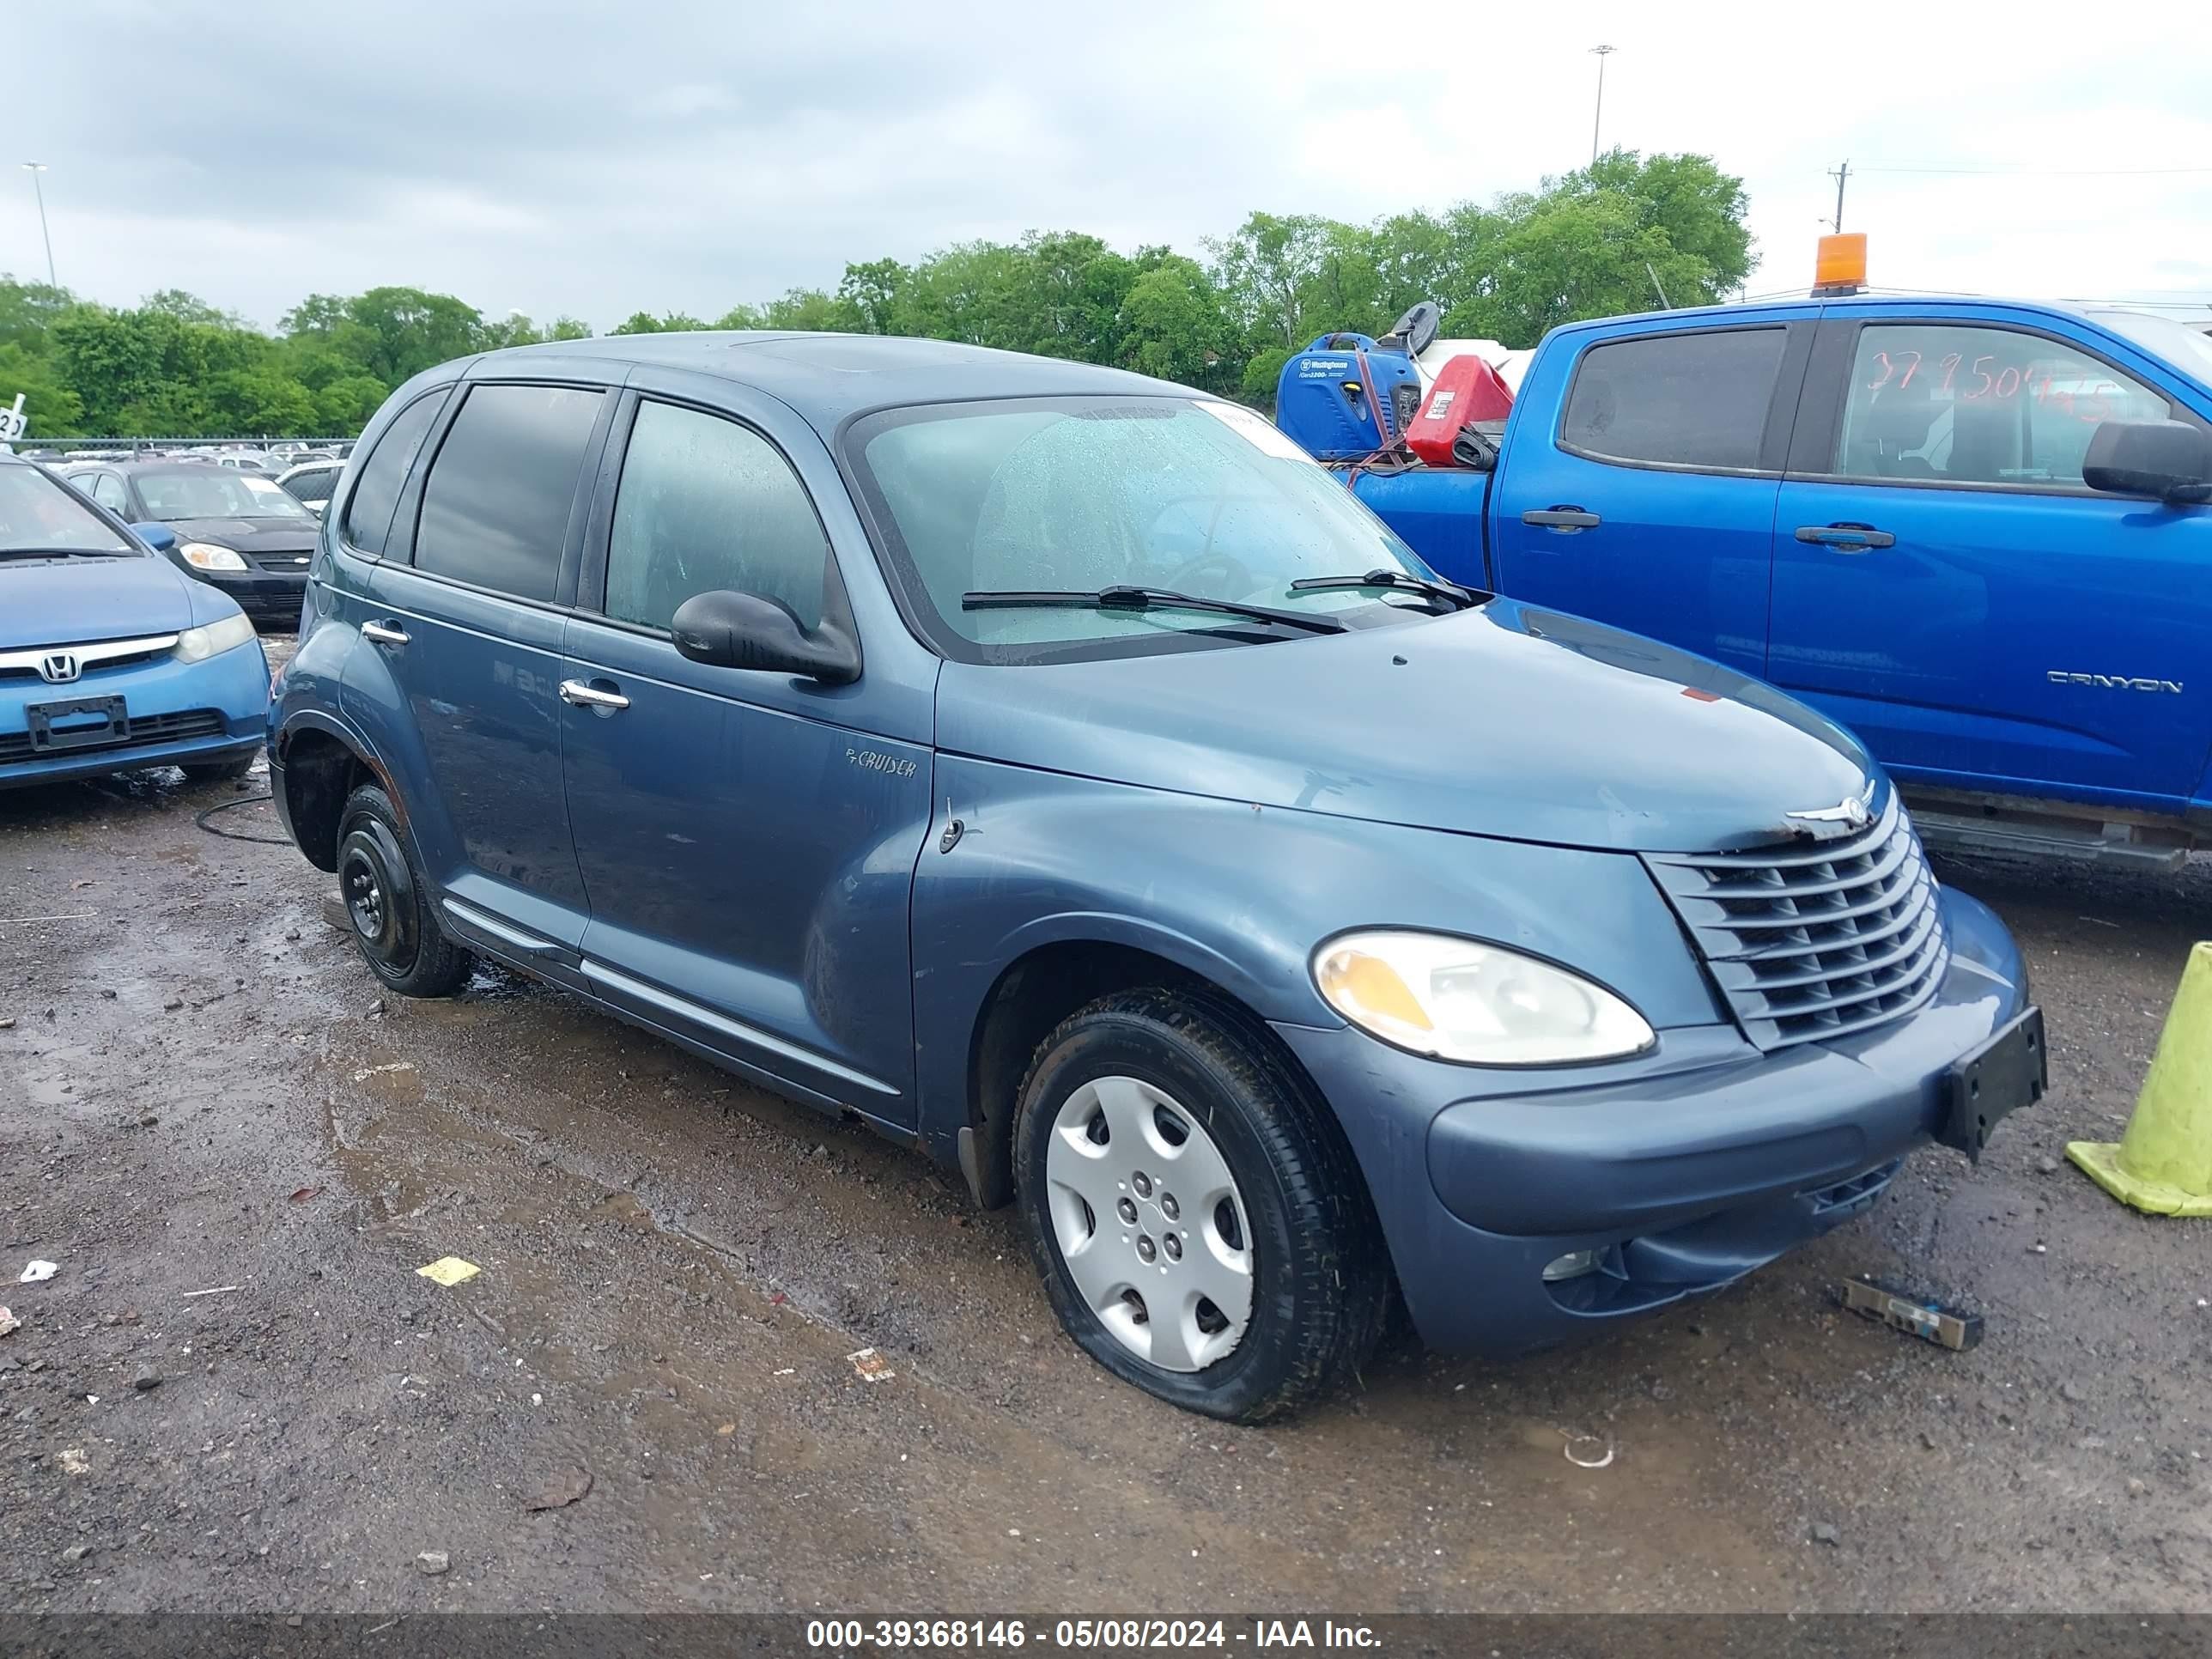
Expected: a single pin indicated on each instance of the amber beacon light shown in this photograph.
(1840, 267)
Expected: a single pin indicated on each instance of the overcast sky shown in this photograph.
(688, 154)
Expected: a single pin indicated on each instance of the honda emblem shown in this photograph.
(59, 667)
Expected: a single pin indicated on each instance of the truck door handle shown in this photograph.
(1846, 538)
(1561, 518)
(383, 633)
(577, 693)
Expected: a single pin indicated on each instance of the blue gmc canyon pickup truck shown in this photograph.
(1976, 533)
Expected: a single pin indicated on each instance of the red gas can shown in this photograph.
(1467, 389)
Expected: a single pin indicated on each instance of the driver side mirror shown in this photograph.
(159, 537)
(729, 630)
(2171, 460)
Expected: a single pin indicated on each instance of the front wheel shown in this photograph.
(1193, 1210)
(388, 904)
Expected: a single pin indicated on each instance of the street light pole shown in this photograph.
(1601, 53)
(34, 168)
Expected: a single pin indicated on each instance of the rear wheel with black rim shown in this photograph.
(1193, 1210)
(388, 904)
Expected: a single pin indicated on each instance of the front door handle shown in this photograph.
(581, 696)
(1561, 518)
(383, 633)
(1845, 537)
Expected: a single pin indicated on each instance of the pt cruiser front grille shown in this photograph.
(1813, 942)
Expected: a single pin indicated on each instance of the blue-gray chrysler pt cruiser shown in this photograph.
(1055, 768)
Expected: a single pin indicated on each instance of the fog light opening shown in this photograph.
(1573, 1264)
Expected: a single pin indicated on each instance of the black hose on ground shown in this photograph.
(202, 817)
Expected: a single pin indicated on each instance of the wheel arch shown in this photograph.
(1042, 986)
(322, 763)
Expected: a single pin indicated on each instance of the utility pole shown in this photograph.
(34, 168)
(1842, 176)
(1601, 53)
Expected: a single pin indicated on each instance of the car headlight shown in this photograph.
(198, 644)
(206, 555)
(1477, 1004)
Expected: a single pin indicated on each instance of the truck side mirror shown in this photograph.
(2171, 460)
(729, 630)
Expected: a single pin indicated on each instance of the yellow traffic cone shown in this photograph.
(2163, 1163)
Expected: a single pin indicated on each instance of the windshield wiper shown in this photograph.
(63, 553)
(1450, 594)
(1145, 598)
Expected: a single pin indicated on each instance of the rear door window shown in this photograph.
(496, 509)
(368, 512)
(1694, 400)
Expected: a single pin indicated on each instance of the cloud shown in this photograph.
(578, 159)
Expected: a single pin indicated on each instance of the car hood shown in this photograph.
(71, 601)
(1508, 721)
(249, 535)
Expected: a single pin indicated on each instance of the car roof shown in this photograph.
(830, 377)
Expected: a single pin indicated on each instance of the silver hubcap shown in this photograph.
(1150, 1223)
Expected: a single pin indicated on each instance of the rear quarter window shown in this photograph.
(376, 492)
(1693, 400)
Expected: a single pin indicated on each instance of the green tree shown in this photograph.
(260, 400)
(1172, 326)
(343, 407)
(50, 408)
(810, 309)
(569, 328)
(871, 291)
(409, 331)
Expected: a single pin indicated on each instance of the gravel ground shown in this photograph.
(645, 1400)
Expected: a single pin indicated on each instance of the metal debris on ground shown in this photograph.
(563, 1488)
(1916, 1315)
(449, 1270)
(212, 1290)
(1588, 1451)
(35, 1272)
(871, 1366)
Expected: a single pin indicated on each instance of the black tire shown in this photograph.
(1322, 1282)
(222, 771)
(388, 904)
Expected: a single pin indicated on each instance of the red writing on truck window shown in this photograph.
(2086, 398)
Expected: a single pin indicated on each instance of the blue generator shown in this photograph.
(1346, 396)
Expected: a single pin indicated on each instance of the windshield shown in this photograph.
(204, 493)
(2184, 345)
(1206, 498)
(39, 511)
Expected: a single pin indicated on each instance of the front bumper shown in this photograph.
(180, 713)
(264, 595)
(1681, 1171)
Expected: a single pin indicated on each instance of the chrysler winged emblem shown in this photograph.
(1852, 813)
(59, 667)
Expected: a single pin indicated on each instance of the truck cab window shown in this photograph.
(1695, 399)
(1954, 403)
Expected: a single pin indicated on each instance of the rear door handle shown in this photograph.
(581, 696)
(1561, 518)
(1845, 537)
(383, 633)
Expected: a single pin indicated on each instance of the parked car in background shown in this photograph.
(111, 659)
(236, 531)
(310, 482)
(1057, 770)
(1976, 532)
